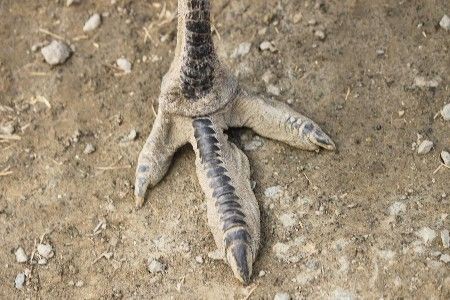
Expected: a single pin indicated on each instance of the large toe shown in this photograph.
(320, 139)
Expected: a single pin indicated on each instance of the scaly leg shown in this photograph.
(278, 121)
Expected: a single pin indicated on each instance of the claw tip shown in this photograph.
(139, 201)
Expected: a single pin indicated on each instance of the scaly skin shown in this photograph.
(200, 100)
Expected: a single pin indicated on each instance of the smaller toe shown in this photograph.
(139, 202)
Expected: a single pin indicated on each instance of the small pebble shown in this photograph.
(42, 261)
(425, 147)
(242, 50)
(397, 208)
(312, 22)
(92, 23)
(273, 191)
(288, 219)
(154, 266)
(45, 250)
(445, 156)
(426, 234)
(70, 2)
(199, 259)
(297, 18)
(19, 281)
(79, 283)
(445, 22)
(445, 112)
(401, 113)
(56, 52)
(124, 65)
(282, 296)
(130, 137)
(21, 256)
(445, 258)
(268, 76)
(89, 149)
(380, 52)
(266, 45)
(421, 81)
(273, 90)
(7, 129)
(445, 238)
(320, 34)
(262, 273)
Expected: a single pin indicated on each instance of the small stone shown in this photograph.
(274, 90)
(45, 250)
(267, 76)
(89, 149)
(262, 273)
(426, 234)
(421, 81)
(288, 219)
(199, 259)
(7, 129)
(19, 281)
(92, 23)
(37, 46)
(320, 34)
(154, 266)
(445, 258)
(56, 52)
(254, 144)
(445, 22)
(401, 113)
(266, 45)
(425, 147)
(445, 238)
(124, 65)
(42, 261)
(130, 137)
(79, 283)
(445, 112)
(312, 22)
(282, 296)
(380, 52)
(273, 192)
(242, 50)
(70, 2)
(21, 256)
(397, 208)
(297, 18)
(445, 156)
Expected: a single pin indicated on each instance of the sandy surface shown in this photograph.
(364, 222)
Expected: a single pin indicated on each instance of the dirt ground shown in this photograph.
(363, 222)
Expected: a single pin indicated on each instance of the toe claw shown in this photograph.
(319, 138)
(139, 202)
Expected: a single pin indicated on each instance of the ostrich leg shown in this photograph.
(199, 100)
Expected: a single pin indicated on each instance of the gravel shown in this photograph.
(421, 81)
(199, 259)
(320, 35)
(45, 250)
(89, 149)
(19, 281)
(92, 23)
(425, 147)
(282, 296)
(56, 52)
(445, 22)
(124, 65)
(266, 45)
(445, 156)
(70, 2)
(426, 234)
(21, 256)
(445, 112)
(288, 219)
(155, 266)
(273, 192)
(273, 90)
(397, 208)
(445, 238)
(242, 50)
